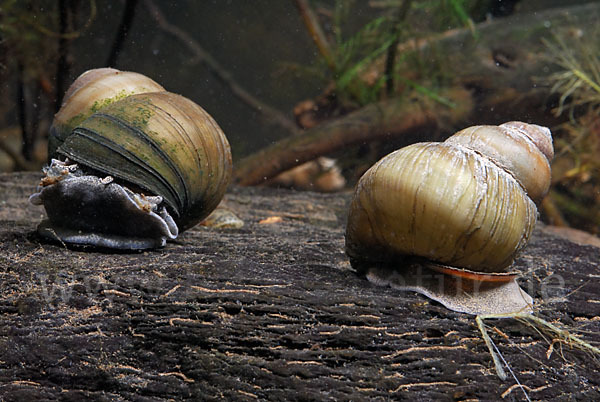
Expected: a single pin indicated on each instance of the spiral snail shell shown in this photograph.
(465, 207)
(90, 92)
(134, 171)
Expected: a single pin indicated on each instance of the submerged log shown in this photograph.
(271, 311)
(373, 122)
(497, 76)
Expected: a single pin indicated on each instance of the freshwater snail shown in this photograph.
(135, 173)
(464, 207)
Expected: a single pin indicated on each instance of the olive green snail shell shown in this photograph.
(467, 203)
(163, 143)
(90, 92)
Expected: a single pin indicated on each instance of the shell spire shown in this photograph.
(524, 150)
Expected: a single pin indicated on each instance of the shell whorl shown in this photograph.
(160, 142)
(524, 150)
(89, 93)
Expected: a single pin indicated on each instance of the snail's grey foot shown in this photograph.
(71, 236)
(84, 209)
(455, 293)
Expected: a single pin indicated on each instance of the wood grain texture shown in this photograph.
(268, 312)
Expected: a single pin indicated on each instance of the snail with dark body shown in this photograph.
(463, 208)
(135, 169)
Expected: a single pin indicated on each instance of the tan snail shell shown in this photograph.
(90, 92)
(136, 171)
(468, 205)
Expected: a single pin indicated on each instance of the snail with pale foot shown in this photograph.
(447, 219)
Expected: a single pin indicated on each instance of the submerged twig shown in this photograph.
(22, 112)
(122, 32)
(376, 121)
(553, 213)
(316, 32)
(392, 50)
(219, 72)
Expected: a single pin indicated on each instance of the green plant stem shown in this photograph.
(582, 76)
(393, 48)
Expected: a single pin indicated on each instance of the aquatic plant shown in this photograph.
(578, 79)
(576, 168)
(348, 54)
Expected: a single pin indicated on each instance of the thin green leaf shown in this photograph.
(429, 93)
(463, 16)
(356, 45)
(351, 73)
